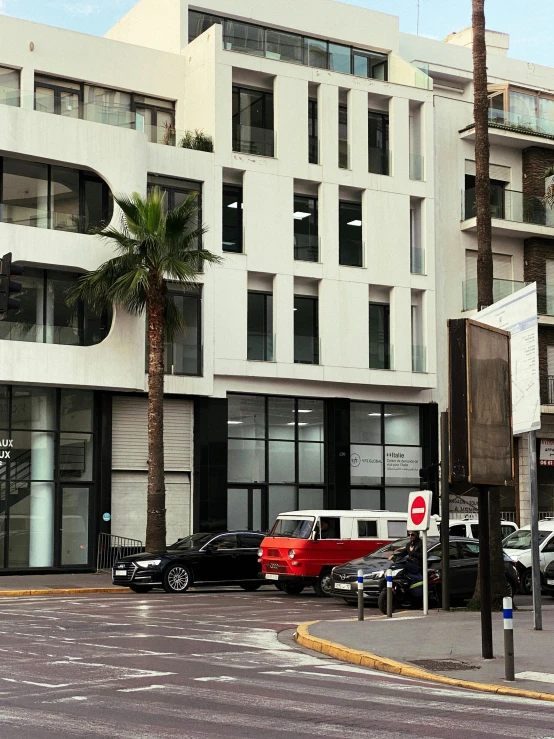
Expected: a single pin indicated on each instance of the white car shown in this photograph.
(470, 527)
(518, 547)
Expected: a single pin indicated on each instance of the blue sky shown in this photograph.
(529, 23)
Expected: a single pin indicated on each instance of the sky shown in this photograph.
(528, 22)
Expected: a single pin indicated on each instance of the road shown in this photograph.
(210, 665)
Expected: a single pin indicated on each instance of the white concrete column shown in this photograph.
(283, 317)
(291, 121)
(328, 215)
(41, 542)
(400, 137)
(400, 323)
(27, 87)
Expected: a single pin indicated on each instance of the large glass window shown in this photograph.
(44, 522)
(306, 330)
(244, 37)
(317, 53)
(343, 137)
(200, 22)
(183, 355)
(340, 58)
(378, 142)
(9, 86)
(287, 47)
(48, 196)
(313, 132)
(253, 121)
(232, 218)
(44, 317)
(260, 345)
(379, 336)
(306, 238)
(350, 234)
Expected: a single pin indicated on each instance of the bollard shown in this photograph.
(509, 668)
(389, 593)
(360, 595)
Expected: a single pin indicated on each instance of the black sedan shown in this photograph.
(225, 558)
(464, 557)
(548, 579)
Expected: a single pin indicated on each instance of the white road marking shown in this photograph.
(220, 679)
(40, 685)
(138, 690)
(541, 677)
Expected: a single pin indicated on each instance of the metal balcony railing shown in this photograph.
(523, 123)
(419, 358)
(306, 247)
(260, 347)
(253, 140)
(417, 261)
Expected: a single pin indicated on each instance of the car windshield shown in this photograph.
(522, 539)
(192, 542)
(388, 548)
(293, 528)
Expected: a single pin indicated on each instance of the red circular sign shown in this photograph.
(418, 510)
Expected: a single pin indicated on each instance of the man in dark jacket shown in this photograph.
(412, 552)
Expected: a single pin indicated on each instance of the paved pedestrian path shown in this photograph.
(449, 644)
(82, 582)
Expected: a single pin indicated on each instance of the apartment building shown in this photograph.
(307, 376)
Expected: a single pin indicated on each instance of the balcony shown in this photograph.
(253, 140)
(306, 247)
(419, 358)
(417, 167)
(260, 347)
(509, 208)
(500, 289)
(381, 356)
(379, 161)
(351, 252)
(307, 350)
(516, 130)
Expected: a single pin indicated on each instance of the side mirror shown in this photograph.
(315, 535)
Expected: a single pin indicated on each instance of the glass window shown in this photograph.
(244, 37)
(282, 418)
(313, 132)
(396, 499)
(237, 508)
(64, 205)
(9, 89)
(282, 462)
(287, 47)
(65, 323)
(4, 410)
(523, 107)
(250, 541)
(343, 137)
(378, 142)
(200, 22)
(253, 121)
(340, 58)
(32, 457)
(317, 53)
(306, 330)
(246, 462)
(260, 327)
(468, 550)
(329, 528)
(370, 64)
(366, 464)
(112, 107)
(368, 500)
(458, 530)
(306, 239)
(546, 110)
(76, 456)
(310, 499)
(76, 410)
(379, 336)
(183, 354)
(246, 416)
(402, 424)
(365, 423)
(33, 408)
(98, 204)
(396, 529)
(228, 541)
(232, 218)
(75, 517)
(311, 420)
(367, 528)
(311, 462)
(350, 234)
(281, 499)
(25, 193)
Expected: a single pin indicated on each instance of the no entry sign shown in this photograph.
(419, 510)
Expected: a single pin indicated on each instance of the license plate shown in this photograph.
(120, 573)
(342, 586)
(271, 577)
(550, 582)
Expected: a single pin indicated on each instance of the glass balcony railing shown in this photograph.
(351, 253)
(521, 122)
(313, 150)
(381, 356)
(344, 154)
(379, 161)
(9, 96)
(306, 248)
(260, 347)
(182, 359)
(545, 300)
(253, 140)
(417, 162)
(41, 334)
(500, 289)
(550, 391)
(508, 205)
(419, 358)
(307, 350)
(38, 218)
(417, 261)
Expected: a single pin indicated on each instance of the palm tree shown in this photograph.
(152, 246)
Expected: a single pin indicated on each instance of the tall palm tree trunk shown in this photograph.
(156, 523)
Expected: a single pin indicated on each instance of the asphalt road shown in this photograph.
(210, 665)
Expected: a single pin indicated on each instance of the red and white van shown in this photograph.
(303, 546)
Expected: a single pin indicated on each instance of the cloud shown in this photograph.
(2, 6)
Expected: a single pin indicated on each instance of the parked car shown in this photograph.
(464, 558)
(548, 579)
(224, 558)
(303, 546)
(469, 527)
(518, 546)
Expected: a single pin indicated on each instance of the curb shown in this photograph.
(62, 591)
(373, 661)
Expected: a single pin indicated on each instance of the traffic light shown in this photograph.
(9, 288)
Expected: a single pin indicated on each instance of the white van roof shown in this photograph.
(545, 524)
(347, 514)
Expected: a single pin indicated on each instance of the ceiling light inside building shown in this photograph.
(234, 423)
(235, 205)
(300, 215)
(354, 223)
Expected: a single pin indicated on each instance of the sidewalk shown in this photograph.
(424, 643)
(86, 582)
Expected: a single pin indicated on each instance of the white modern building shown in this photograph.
(309, 373)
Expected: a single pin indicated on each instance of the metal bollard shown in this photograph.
(389, 593)
(360, 595)
(509, 668)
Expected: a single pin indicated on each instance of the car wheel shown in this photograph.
(177, 579)
(140, 588)
(323, 586)
(526, 582)
(251, 586)
(278, 585)
(292, 588)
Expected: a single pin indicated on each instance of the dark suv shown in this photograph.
(225, 558)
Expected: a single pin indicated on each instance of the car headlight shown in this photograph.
(292, 554)
(396, 572)
(149, 563)
(260, 552)
(374, 575)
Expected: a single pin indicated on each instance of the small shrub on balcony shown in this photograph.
(197, 140)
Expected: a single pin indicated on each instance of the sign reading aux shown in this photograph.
(401, 464)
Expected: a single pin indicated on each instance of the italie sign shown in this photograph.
(546, 456)
(401, 463)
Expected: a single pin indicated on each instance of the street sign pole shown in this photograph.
(535, 555)
(445, 514)
(425, 575)
(419, 512)
(485, 573)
